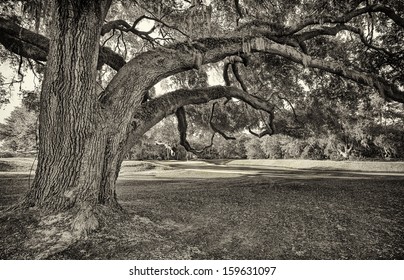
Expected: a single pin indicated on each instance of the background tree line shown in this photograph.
(360, 134)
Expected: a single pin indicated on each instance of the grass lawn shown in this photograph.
(237, 212)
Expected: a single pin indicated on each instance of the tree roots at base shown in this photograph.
(33, 234)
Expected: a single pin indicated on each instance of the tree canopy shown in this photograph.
(285, 42)
(287, 49)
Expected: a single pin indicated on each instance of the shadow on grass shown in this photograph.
(205, 171)
(259, 214)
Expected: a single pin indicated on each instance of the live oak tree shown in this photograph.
(85, 130)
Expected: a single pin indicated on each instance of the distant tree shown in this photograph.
(314, 149)
(390, 144)
(231, 149)
(254, 149)
(3, 92)
(19, 131)
(30, 100)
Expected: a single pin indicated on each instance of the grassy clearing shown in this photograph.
(240, 217)
(262, 219)
(365, 166)
(17, 164)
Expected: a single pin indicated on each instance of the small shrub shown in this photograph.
(7, 154)
(313, 150)
(253, 149)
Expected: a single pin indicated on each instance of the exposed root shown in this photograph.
(90, 218)
(85, 221)
(32, 234)
(51, 236)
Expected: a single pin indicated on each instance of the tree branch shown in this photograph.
(234, 61)
(183, 129)
(348, 17)
(226, 77)
(123, 26)
(270, 127)
(215, 128)
(26, 43)
(235, 68)
(238, 10)
(153, 111)
(148, 68)
(320, 31)
(115, 24)
(385, 88)
(260, 134)
(332, 31)
(292, 107)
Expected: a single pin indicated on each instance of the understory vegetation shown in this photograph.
(373, 141)
(388, 146)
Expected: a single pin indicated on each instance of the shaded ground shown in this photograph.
(211, 211)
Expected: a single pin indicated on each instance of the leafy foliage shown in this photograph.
(19, 131)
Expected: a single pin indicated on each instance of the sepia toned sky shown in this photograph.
(28, 83)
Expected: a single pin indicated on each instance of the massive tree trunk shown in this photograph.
(72, 129)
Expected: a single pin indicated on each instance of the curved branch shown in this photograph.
(226, 77)
(291, 106)
(270, 127)
(323, 30)
(126, 27)
(390, 12)
(115, 24)
(363, 39)
(279, 32)
(123, 26)
(166, 25)
(153, 111)
(385, 88)
(29, 44)
(215, 128)
(150, 67)
(332, 31)
(234, 61)
(348, 17)
(235, 68)
(260, 134)
(183, 128)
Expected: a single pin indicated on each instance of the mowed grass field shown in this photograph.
(243, 210)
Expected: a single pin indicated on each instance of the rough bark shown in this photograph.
(72, 128)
